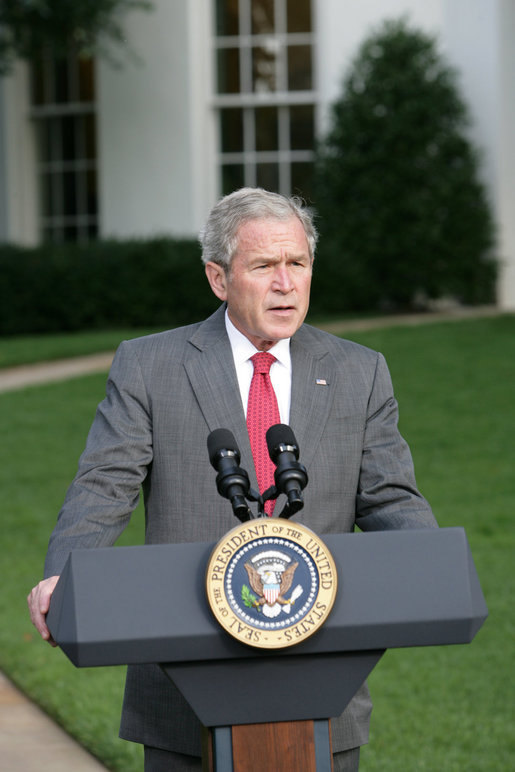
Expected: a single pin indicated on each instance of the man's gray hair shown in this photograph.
(219, 237)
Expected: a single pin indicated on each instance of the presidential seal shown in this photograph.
(271, 583)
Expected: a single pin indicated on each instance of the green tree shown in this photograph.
(87, 26)
(402, 212)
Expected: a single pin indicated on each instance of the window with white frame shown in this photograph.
(265, 94)
(63, 111)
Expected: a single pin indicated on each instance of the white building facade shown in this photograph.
(219, 93)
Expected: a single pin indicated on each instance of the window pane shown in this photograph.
(37, 82)
(86, 80)
(299, 15)
(264, 79)
(90, 137)
(262, 16)
(267, 176)
(231, 130)
(57, 195)
(69, 149)
(266, 128)
(302, 127)
(43, 141)
(228, 71)
(227, 17)
(70, 233)
(232, 177)
(45, 188)
(302, 179)
(299, 68)
(69, 194)
(91, 192)
(61, 85)
(55, 139)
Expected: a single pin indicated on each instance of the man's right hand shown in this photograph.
(39, 603)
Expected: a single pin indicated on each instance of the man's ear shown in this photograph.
(217, 279)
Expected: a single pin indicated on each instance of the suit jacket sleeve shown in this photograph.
(387, 495)
(105, 491)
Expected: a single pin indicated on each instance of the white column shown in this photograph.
(19, 162)
(151, 125)
(506, 153)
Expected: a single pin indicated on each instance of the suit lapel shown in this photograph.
(212, 376)
(312, 394)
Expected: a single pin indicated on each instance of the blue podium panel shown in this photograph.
(148, 604)
(272, 688)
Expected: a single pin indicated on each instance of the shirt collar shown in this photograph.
(243, 349)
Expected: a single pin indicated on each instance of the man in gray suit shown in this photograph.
(167, 392)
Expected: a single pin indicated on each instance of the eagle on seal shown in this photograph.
(270, 588)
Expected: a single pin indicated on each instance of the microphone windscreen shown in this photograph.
(220, 439)
(279, 434)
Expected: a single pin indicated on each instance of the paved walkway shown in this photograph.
(29, 740)
(45, 372)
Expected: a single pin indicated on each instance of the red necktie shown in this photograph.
(262, 413)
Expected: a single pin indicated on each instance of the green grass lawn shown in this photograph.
(443, 708)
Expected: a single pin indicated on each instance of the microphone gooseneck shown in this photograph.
(232, 481)
(290, 476)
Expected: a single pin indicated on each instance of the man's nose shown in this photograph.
(282, 281)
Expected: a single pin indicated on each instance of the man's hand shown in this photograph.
(39, 603)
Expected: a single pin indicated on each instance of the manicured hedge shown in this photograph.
(56, 288)
(115, 284)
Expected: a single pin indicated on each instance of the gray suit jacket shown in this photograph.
(164, 395)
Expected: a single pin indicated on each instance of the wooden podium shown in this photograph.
(128, 605)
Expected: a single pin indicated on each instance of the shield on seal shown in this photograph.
(271, 593)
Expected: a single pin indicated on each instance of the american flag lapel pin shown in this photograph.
(321, 382)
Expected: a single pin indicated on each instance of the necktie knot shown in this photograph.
(262, 362)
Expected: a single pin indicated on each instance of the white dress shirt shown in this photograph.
(280, 372)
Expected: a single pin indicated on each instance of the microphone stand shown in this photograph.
(293, 505)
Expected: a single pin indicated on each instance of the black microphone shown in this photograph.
(232, 482)
(290, 476)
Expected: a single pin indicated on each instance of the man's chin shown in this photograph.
(273, 333)
(273, 337)
(282, 331)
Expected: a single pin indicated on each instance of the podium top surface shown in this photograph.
(148, 604)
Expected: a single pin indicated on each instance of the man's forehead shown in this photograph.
(268, 232)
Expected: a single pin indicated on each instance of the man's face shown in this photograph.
(267, 288)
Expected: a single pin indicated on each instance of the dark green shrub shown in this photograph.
(402, 213)
(107, 284)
